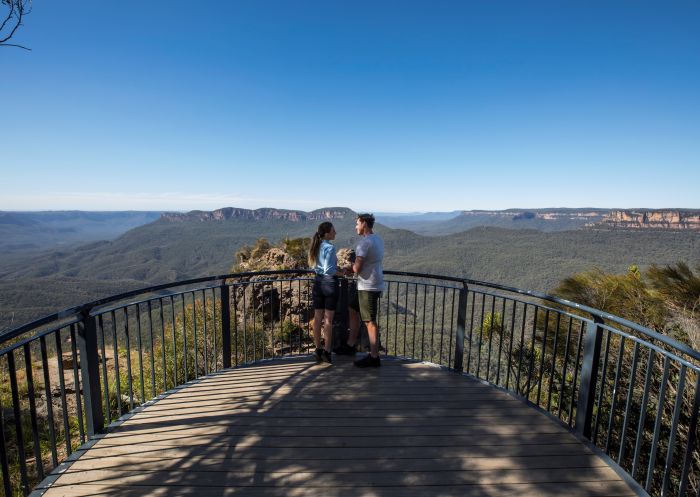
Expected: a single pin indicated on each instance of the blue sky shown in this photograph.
(384, 106)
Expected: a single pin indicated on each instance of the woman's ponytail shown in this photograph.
(323, 228)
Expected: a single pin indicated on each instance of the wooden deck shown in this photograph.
(294, 428)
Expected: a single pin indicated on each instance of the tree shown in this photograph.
(679, 287)
(666, 299)
(625, 295)
(16, 11)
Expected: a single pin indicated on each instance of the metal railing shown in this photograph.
(625, 389)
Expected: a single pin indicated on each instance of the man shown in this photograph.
(370, 284)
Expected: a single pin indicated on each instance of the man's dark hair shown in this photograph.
(367, 218)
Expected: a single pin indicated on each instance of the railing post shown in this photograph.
(692, 435)
(90, 373)
(461, 325)
(225, 296)
(341, 317)
(589, 377)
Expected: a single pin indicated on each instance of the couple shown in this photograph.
(364, 304)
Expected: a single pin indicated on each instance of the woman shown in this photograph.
(324, 261)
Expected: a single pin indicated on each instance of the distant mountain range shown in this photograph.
(177, 246)
(21, 232)
(548, 220)
(264, 214)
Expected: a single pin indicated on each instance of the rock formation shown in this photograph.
(259, 215)
(274, 309)
(653, 219)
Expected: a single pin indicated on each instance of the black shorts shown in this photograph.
(366, 302)
(325, 292)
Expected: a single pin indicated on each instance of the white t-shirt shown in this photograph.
(371, 276)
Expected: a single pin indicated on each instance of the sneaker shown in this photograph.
(319, 355)
(368, 362)
(345, 349)
(326, 357)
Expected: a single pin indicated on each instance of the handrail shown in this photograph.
(78, 310)
(573, 367)
(557, 300)
(597, 313)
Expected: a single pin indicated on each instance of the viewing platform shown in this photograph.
(208, 387)
(292, 427)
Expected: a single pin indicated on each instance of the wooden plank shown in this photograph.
(338, 453)
(355, 413)
(324, 404)
(357, 408)
(330, 385)
(581, 489)
(362, 465)
(526, 417)
(296, 477)
(255, 440)
(311, 395)
(477, 430)
(398, 389)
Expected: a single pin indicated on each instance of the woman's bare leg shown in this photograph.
(318, 322)
(328, 329)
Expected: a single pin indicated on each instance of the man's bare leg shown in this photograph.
(372, 333)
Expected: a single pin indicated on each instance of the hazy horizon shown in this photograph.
(376, 212)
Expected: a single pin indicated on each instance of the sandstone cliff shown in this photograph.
(652, 219)
(259, 214)
(637, 219)
(545, 214)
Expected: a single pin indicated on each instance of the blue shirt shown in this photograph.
(327, 260)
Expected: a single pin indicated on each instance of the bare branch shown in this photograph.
(18, 9)
(20, 12)
(13, 45)
(10, 15)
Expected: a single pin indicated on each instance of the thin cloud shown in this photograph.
(165, 201)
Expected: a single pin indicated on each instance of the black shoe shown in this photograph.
(326, 357)
(345, 349)
(368, 362)
(319, 355)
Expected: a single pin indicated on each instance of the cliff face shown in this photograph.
(547, 215)
(659, 219)
(669, 219)
(585, 216)
(638, 219)
(259, 215)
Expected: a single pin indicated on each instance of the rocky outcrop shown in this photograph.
(653, 219)
(259, 215)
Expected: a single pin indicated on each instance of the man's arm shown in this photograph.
(357, 265)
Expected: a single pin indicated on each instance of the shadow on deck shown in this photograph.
(294, 428)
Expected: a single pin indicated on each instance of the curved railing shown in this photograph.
(629, 392)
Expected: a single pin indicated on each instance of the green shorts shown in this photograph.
(366, 302)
